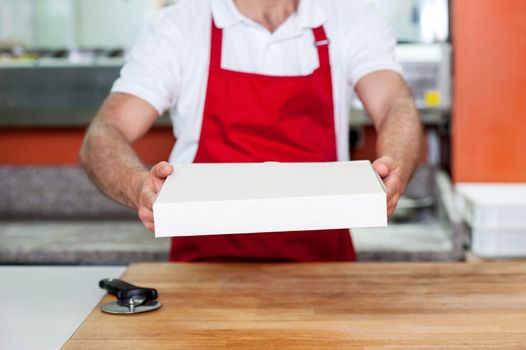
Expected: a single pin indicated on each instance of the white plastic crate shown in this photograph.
(498, 243)
(496, 214)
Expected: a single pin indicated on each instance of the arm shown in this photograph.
(389, 102)
(110, 161)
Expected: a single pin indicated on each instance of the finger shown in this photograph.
(381, 169)
(392, 204)
(393, 199)
(162, 170)
(383, 166)
(393, 184)
(147, 199)
(390, 188)
(149, 226)
(146, 217)
(157, 183)
(159, 174)
(145, 214)
(392, 194)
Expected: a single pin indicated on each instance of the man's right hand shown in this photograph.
(151, 185)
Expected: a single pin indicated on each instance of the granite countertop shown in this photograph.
(122, 242)
(55, 215)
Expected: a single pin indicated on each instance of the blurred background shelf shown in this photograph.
(55, 215)
(67, 92)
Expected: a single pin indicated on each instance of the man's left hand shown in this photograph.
(391, 173)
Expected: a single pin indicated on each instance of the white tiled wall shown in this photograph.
(116, 23)
(56, 24)
(417, 20)
(14, 16)
(111, 23)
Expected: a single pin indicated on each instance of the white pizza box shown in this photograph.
(226, 198)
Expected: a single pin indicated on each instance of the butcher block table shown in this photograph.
(319, 306)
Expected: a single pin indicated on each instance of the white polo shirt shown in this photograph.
(168, 65)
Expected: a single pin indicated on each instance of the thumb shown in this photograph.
(159, 173)
(161, 170)
(383, 166)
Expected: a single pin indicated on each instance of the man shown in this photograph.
(252, 81)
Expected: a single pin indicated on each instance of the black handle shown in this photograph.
(124, 290)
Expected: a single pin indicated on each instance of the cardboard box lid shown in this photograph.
(198, 190)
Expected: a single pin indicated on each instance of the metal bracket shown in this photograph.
(322, 42)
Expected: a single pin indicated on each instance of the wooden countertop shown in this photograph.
(320, 306)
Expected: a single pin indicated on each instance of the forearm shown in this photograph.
(400, 135)
(112, 164)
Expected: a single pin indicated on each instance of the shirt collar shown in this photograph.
(310, 14)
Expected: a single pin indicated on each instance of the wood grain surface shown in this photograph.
(319, 306)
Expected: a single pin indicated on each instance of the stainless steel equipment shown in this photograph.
(427, 69)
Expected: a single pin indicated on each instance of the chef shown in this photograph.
(255, 81)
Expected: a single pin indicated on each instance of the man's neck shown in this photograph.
(269, 13)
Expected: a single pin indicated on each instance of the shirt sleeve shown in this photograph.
(371, 46)
(152, 68)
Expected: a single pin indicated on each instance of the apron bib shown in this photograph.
(257, 118)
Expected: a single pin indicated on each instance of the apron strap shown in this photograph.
(322, 44)
(216, 47)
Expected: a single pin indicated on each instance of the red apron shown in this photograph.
(256, 118)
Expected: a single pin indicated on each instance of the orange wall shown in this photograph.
(53, 146)
(489, 129)
(60, 146)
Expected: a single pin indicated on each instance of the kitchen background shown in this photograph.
(464, 60)
(59, 24)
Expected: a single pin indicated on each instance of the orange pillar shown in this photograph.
(489, 126)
